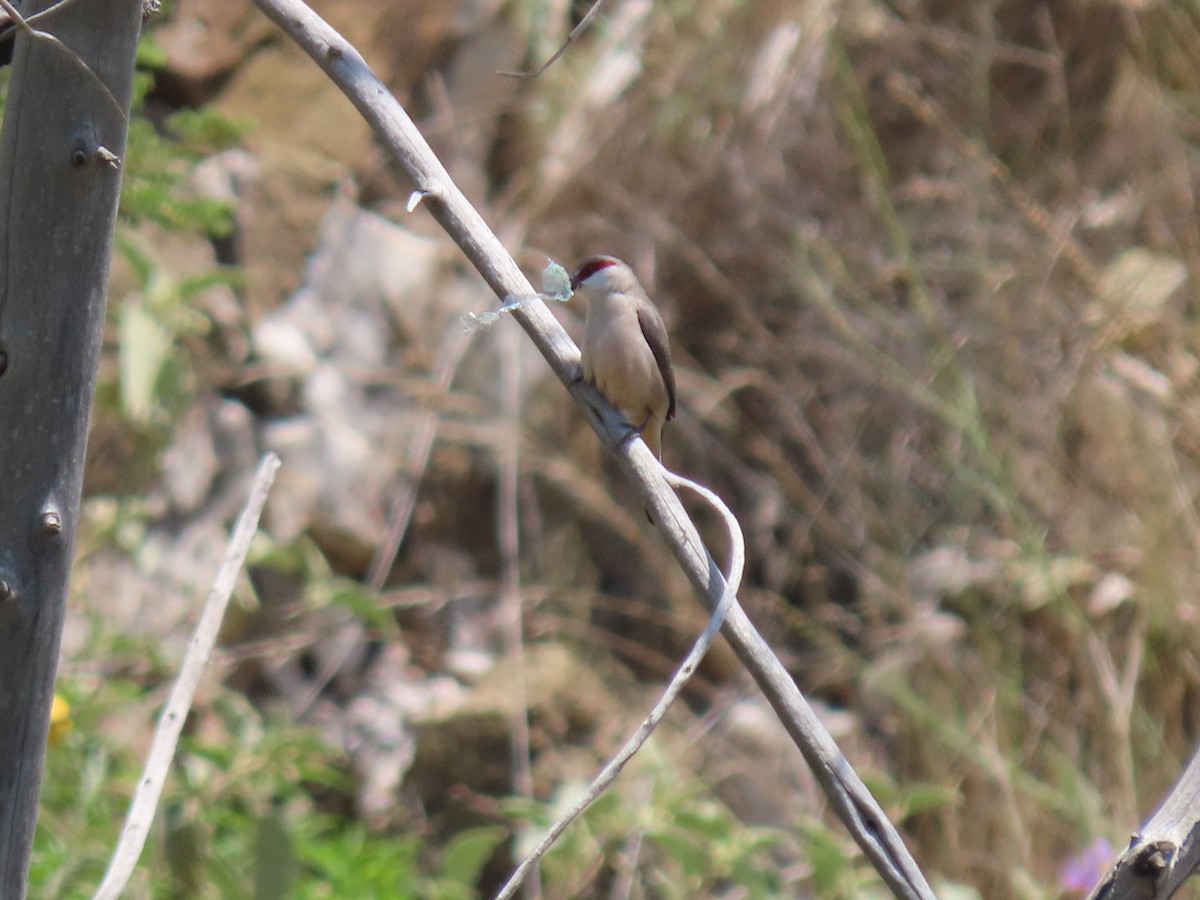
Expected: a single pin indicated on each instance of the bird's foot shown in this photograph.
(635, 431)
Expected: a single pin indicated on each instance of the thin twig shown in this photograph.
(48, 11)
(579, 29)
(733, 581)
(174, 714)
(509, 545)
(854, 804)
(22, 24)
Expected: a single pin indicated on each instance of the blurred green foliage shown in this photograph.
(667, 831)
(238, 819)
(159, 160)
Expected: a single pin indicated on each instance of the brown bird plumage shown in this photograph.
(625, 347)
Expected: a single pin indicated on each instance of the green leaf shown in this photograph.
(363, 602)
(144, 348)
(691, 855)
(150, 54)
(192, 285)
(141, 263)
(827, 857)
(206, 131)
(924, 797)
(274, 862)
(706, 821)
(469, 852)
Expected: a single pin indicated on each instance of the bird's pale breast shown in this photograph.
(619, 362)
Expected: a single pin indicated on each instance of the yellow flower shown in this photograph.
(60, 720)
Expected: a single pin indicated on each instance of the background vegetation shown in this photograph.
(930, 274)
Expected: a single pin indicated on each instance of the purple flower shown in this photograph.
(1080, 873)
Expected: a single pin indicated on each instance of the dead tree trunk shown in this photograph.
(60, 151)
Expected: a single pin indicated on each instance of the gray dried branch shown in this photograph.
(59, 198)
(1163, 855)
(508, 538)
(170, 723)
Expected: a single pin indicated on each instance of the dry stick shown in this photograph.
(508, 541)
(174, 714)
(737, 562)
(579, 29)
(1164, 852)
(62, 4)
(852, 801)
(23, 24)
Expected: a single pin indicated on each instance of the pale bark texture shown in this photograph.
(62, 142)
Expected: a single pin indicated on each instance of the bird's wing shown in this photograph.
(655, 333)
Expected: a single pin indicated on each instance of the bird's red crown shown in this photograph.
(590, 267)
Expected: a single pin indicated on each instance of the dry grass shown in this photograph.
(930, 284)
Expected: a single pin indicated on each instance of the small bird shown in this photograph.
(625, 347)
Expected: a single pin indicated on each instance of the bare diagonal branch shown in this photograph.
(1162, 855)
(174, 714)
